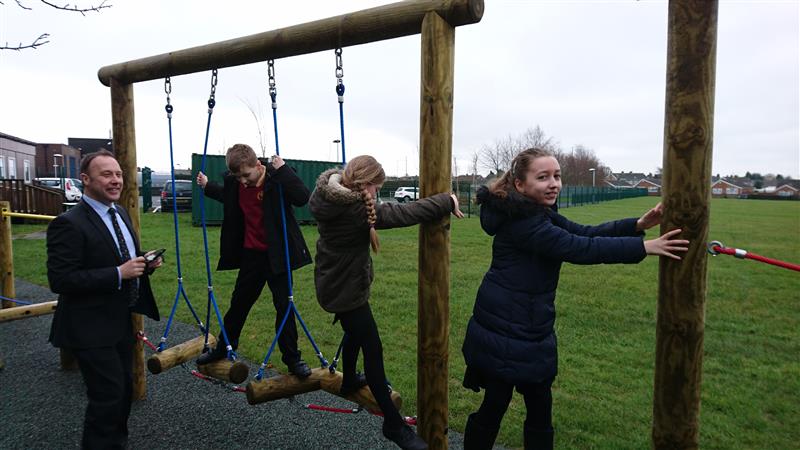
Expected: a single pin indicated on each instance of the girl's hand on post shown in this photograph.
(456, 210)
(650, 218)
(665, 246)
(202, 180)
(277, 162)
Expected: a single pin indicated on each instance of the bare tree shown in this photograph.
(43, 38)
(576, 165)
(259, 118)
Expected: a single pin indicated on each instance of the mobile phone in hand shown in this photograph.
(154, 256)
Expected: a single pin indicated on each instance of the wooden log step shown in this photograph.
(225, 369)
(332, 383)
(282, 386)
(178, 354)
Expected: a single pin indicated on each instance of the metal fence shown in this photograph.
(569, 196)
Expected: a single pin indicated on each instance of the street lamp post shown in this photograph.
(337, 141)
(59, 173)
(593, 170)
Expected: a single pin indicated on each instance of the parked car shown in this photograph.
(183, 193)
(406, 194)
(74, 191)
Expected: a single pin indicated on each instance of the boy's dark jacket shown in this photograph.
(511, 335)
(231, 241)
(343, 271)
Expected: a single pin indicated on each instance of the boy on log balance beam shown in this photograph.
(252, 240)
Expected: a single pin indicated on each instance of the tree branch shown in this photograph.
(75, 8)
(38, 42)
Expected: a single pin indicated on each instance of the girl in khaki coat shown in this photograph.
(343, 204)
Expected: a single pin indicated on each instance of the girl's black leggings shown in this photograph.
(497, 396)
(361, 333)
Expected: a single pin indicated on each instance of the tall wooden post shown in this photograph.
(436, 141)
(688, 139)
(124, 131)
(6, 256)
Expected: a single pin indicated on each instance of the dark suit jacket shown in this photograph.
(231, 241)
(81, 267)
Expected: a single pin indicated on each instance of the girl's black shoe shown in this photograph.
(351, 385)
(405, 438)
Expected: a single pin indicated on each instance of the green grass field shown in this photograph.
(606, 324)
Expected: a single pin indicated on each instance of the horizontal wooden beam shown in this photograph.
(23, 312)
(361, 27)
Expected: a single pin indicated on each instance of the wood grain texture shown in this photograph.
(124, 135)
(25, 311)
(7, 288)
(360, 27)
(688, 143)
(436, 141)
(179, 354)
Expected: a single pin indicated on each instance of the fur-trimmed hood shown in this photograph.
(329, 185)
(496, 210)
(331, 198)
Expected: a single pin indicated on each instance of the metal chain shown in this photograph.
(339, 75)
(168, 90)
(273, 92)
(339, 69)
(211, 99)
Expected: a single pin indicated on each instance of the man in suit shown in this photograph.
(95, 264)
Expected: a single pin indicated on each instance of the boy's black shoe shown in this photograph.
(405, 438)
(219, 352)
(352, 385)
(299, 368)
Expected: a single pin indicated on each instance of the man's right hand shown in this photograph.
(132, 268)
(202, 180)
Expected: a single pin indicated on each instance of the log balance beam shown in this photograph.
(224, 369)
(284, 386)
(23, 312)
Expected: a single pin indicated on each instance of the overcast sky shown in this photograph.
(590, 73)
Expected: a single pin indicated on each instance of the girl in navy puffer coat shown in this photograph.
(510, 340)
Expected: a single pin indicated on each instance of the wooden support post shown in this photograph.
(688, 142)
(436, 141)
(179, 354)
(6, 256)
(25, 311)
(124, 132)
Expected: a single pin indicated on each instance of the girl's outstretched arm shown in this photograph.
(650, 218)
(665, 246)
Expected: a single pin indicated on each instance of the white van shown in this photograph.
(72, 193)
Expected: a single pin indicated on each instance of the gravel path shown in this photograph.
(41, 406)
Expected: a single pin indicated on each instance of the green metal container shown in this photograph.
(308, 171)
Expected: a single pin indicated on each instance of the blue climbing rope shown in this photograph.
(180, 292)
(340, 95)
(211, 299)
(273, 93)
(19, 302)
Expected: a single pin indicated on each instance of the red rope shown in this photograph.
(215, 381)
(716, 247)
(408, 420)
(140, 336)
